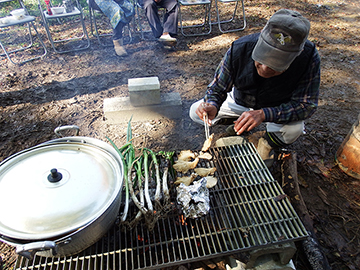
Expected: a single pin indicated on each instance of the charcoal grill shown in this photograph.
(248, 211)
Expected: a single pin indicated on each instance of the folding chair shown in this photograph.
(68, 19)
(220, 22)
(106, 31)
(10, 25)
(201, 28)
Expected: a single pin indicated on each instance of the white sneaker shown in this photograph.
(168, 40)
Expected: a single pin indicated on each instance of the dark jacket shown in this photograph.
(253, 91)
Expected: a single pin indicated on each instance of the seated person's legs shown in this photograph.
(152, 15)
(171, 16)
(119, 13)
(118, 39)
(118, 31)
(163, 31)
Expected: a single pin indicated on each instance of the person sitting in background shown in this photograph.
(272, 77)
(120, 13)
(167, 31)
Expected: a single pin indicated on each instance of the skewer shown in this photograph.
(207, 131)
(206, 124)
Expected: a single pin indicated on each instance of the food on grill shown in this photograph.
(186, 155)
(207, 143)
(194, 199)
(185, 166)
(205, 155)
(211, 181)
(186, 180)
(203, 172)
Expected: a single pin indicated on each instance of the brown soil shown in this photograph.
(69, 89)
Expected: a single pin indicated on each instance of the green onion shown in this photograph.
(168, 158)
(157, 176)
(146, 184)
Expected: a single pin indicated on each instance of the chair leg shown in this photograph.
(129, 33)
(139, 22)
(91, 15)
(94, 28)
(7, 53)
(219, 22)
(207, 20)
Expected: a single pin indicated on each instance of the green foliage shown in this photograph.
(6, 7)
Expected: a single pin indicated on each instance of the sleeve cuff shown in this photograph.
(269, 115)
(212, 103)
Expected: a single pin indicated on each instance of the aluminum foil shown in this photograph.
(194, 199)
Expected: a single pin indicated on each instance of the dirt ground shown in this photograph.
(69, 89)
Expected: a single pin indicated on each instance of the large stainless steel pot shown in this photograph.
(59, 197)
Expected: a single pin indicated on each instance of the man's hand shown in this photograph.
(249, 120)
(204, 108)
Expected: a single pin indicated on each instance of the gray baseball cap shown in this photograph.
(281, 40)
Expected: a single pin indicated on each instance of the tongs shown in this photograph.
(206, 124)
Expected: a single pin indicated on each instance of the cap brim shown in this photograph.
(272, 57)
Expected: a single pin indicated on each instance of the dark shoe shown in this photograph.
(230, 130)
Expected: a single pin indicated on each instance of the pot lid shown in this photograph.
(56, 188)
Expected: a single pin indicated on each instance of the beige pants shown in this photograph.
(286, 133)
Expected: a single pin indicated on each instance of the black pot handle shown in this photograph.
(28, 250)
(62, 128)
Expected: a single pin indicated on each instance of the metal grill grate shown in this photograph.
(248, 211)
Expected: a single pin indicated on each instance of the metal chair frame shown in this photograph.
(29, 20)
(77, 12)
(219, 22)
(138, 23)
(207, 16)
(95, 30)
